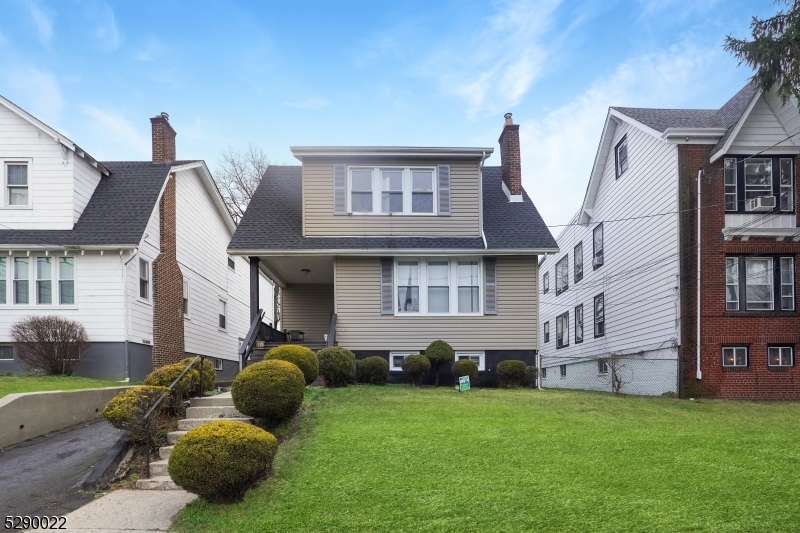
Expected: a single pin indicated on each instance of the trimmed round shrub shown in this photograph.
(372, 370)
(512, 373)
(126, 410)
(531, 374)
(305, 359)
(439, 353)
(271, 389)
(209, 374)
(164, 376)
(220, 460)
(337, 365)
(416, 366)
(465, 367)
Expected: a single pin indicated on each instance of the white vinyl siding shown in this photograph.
(308, 308)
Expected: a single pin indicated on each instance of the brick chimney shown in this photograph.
(510, 160)
(163, 139)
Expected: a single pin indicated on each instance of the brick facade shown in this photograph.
(510, 157)
(719, 327)
(168, 343)
(163, 139)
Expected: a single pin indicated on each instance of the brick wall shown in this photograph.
(168, 345)
(510, 159)
(718, 326)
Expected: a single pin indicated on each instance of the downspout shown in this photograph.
(125, 315)
(480, 198)
(699, 374)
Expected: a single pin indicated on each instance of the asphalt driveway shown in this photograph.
(43, 476)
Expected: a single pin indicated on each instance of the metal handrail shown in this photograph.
(331, 331)
(161, 399)
(250, 338)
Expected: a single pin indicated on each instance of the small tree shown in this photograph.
(617, 373)
(237, 175)
(439, 353)
(51, 344)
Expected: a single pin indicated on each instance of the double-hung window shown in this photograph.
(579, 324)
(3, 280)
(578, 262)
(749, 178)
(421, 191)
(44, 280)
(21, 280)
(597, 246)
(621, 156)
(731, 185)
(562, 275)
(786, 184)
(599, 315)
(66, 280)
(185, 297)
(408, 286)
(392, 190)
(144, 279)
(223, 317)
(562, 330)
(780, 356)
(437, 286)
(546, 331)
(763, 283)
(361, 190)
(17, 184)
(468, 286)
(546, 283)
(734, 356)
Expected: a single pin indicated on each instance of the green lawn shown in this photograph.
(31, 383)
(396, 459)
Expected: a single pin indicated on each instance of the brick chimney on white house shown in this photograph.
(163, 139)
(510, 160)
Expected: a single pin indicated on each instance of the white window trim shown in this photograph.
(562, 371)
(602, 367)
(791, 356)
(481, 358)
(187, 314)
(731, 161)
(746, 356)
(35, 278)
(55, 278)
(57, 281)
(231, 261)
(392, 355)
(217, 363)
(377, 190)
(422, 275)
(149, 280)
(225, 301)
(16, 161)
(12, 354)
(771, 273)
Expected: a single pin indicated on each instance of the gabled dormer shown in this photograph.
(47, 179)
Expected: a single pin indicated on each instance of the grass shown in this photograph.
(35, 383)
(373, 459)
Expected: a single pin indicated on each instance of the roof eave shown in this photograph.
(394, 251)
(729, 141)
(389, 151)
(693, 135)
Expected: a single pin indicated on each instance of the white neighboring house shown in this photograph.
(135, 251)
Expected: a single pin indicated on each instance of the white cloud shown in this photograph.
(36, 91)
(309, 103)
(558, 150)
(103, 23)
(43, 20)
(152, 49)
(494, 69)
(112, 125)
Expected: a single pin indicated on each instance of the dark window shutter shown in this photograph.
(387, 286)
(444, 190)
(490, 284)
(339, 190)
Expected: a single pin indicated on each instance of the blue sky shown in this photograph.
(277, 74)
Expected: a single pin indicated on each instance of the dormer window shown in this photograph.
(392, 190)
(17, 184)
(621, 156)
(759, 184)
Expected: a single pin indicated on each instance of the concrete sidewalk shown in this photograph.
(123, 511)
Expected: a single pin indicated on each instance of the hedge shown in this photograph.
(126, 410)
(416, 366)
(305, 359)
(271, 389)
(337, 365)
(372, 370)
(465, 367)
(512, 373)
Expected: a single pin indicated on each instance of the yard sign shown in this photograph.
(463, 383)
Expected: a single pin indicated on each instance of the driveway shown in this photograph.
(43, 476)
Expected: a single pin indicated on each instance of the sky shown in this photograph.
(412, 73)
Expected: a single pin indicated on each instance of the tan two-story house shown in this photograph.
(384, 249)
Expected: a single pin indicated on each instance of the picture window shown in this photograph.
(437, 286)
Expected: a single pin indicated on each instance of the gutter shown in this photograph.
(371, 252)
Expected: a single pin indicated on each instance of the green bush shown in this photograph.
(416, 366)
(164, 376)
(305, 359)
(531, 373)
(271, 389)
(220, 460)
(126, 410)
(372, 370)
(439, 353)
(512, 373)
(337, 365)
(465, 367)
(209, 374)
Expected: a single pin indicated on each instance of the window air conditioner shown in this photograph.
(597, 261)
(762, 203)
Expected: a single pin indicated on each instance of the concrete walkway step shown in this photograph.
(159, 468)
(190, 423)
(164, 452)
(156, 483)
(214, 411)
(208, 401)
(173, 436)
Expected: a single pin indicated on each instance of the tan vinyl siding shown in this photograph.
(360, 325)
(319, 220)
(308, 308)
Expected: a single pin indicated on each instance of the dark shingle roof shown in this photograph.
(274, 221)
(730, 114)
(661, 119)
(116, 214)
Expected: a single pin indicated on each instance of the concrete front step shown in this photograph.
(173, 436)
(213, 401)
(164, 452)
(159, 468)
(190, 423)
(221, 411)
(156, 483)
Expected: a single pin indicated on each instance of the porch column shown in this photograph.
(254, 279)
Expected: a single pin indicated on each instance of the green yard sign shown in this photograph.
(463, 383)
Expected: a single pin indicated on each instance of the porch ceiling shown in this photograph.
(289, 269)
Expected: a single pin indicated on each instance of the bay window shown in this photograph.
(731, 185)
(732, 283)
(764, 283)
(437, 286)
(786, 185)
(392, 190)
(757, 178)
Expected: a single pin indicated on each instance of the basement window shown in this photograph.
(217, 364)
(6, 353)
(396, 360)
(780, 356)
(734, 357)
(563, 370)
(479, 358)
